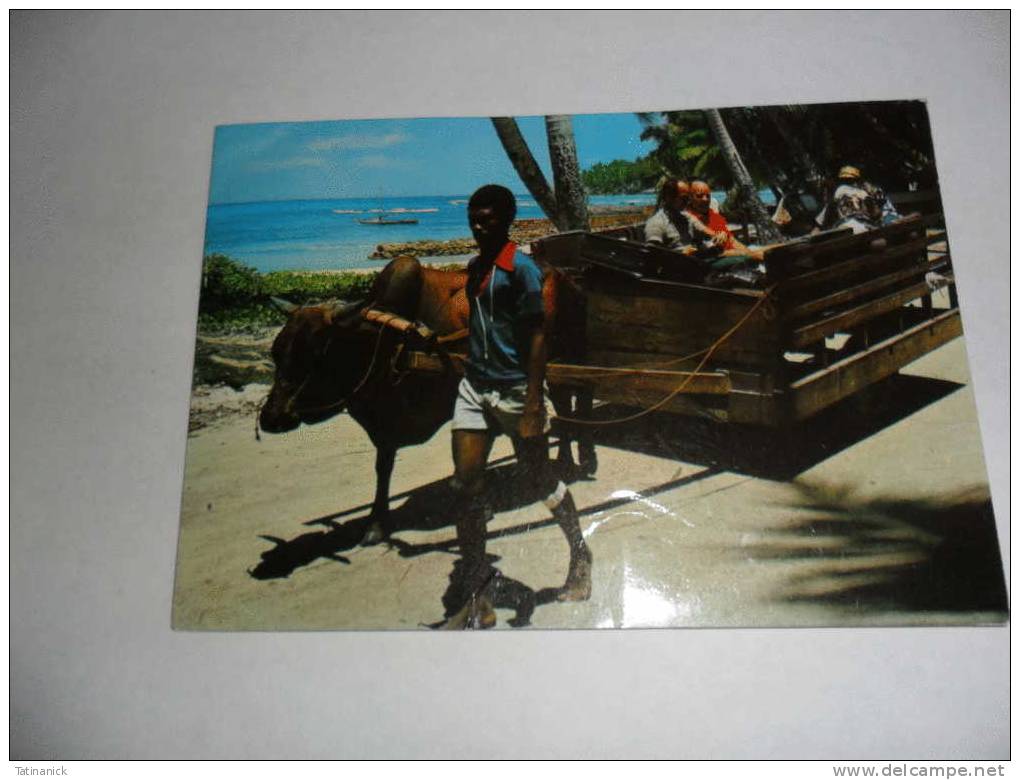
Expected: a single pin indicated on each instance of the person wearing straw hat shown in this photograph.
(857, 204)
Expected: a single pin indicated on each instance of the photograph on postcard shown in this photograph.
(689, 368)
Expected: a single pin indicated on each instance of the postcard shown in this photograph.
(692, 368)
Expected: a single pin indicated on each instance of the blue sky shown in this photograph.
(393, 157)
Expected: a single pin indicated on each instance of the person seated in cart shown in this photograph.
(670, 226)
(710, 227)
(856, 204)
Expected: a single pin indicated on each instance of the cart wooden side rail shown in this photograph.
(619, 385)
(839, 312)
(842, 311)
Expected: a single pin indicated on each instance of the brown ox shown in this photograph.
(328, 358)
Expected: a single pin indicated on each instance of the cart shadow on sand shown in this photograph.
(757, 453)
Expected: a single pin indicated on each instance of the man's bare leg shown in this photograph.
(534, 455)
(578, 584)
(470, 453)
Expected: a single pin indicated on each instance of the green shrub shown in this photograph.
(227, 284)
(241, 319)
(236, 297)
(309, 287)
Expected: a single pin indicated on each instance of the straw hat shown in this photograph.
(849, 172)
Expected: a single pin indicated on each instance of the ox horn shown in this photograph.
(343, 309)
(286, 307)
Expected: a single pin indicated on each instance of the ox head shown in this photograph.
(320, 355)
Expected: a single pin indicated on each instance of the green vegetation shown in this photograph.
(235, 297)
(794, 150)
(799, 148)
(621, 177)
(684, 146)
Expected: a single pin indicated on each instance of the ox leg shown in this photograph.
(586, 456)
(561, 401)
(560, 501)
(379, 519)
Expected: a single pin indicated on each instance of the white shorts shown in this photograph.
(495, 408)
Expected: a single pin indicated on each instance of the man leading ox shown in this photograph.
(503, 391)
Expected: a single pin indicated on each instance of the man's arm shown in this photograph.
(654, 231)
(533, 420)
(739, 248)
(530, 316)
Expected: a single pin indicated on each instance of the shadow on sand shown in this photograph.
(760, 453)
(427, 508)
(774, 454)
(891, 554)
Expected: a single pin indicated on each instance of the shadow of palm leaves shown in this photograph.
(889, 553)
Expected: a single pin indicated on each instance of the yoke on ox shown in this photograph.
(341, 356)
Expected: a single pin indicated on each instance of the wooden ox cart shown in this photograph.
(833, 314)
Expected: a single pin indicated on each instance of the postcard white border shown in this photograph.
(111, 133)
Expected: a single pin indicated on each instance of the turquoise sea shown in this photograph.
(326, 234)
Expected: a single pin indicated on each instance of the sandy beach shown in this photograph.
(689, 525)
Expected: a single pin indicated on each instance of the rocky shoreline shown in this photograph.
(524, 231)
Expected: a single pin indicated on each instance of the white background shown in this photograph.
(112, 118)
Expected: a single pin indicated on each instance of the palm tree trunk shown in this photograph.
(746, 121)
(813, 176)
(524, 163)
(767, 231)
(570, 197)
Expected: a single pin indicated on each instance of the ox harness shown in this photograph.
(418, 332)
(433, 343)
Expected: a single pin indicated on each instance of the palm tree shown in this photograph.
(566, 206)
(684, 145)
(894, 130)
(812, 177)
(744, 124)
(889, 140)
(570, 198)
(767, 231)
(524, 163)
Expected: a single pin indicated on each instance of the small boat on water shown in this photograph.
(384, 221)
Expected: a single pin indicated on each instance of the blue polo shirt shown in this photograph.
(506, 305)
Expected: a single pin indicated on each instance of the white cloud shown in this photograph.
(354, 141)
(380, 161)
(287, 164)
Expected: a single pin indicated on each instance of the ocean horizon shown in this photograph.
(325, 234)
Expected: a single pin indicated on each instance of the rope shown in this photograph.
(384, 320)
(683, 385)
(455, 336)
(654, 364)
(343, 401)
